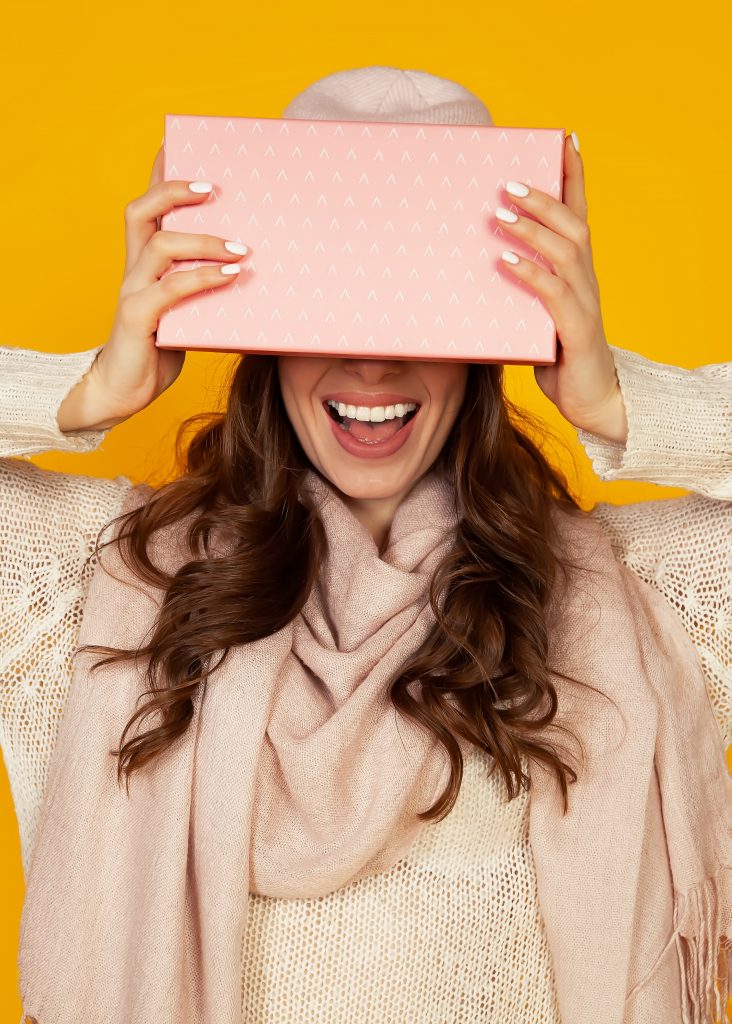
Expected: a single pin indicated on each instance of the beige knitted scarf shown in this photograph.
(297, 776)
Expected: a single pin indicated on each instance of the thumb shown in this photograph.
(573, 191)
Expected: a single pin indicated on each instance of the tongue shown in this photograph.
(365, 431)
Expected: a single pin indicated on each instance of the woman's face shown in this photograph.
(374, 463)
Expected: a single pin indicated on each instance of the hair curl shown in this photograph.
(483, 670)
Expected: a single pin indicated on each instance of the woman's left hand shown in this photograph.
(582, 383)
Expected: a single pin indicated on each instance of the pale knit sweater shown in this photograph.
(453, 932)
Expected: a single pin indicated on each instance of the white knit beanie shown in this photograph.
(388, 94)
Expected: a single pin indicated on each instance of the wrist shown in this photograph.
(613, 425)
(77, 411)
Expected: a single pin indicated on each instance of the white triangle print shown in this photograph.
(408, 207)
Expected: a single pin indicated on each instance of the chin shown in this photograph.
(369, 483)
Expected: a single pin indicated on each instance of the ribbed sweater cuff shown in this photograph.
(679, 426)
(34, 386)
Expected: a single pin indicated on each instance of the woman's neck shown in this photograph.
(376, 515)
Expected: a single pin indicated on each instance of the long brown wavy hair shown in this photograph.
(483, 671)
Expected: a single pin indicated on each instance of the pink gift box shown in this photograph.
(367, 239)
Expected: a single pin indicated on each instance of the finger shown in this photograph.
(166, 246)
(157, 167)
(572, 261)
(143, 309)
(557, 296)
(158, 174)
(142, 213)
(551, 212)
(573, 193)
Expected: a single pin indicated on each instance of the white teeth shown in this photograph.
(375, 413)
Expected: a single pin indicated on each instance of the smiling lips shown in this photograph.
(370, 431)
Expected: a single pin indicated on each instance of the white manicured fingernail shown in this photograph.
(236, 247)
(509, 257)
(506, 215)
(231, 268)
(200, 186)
(516, 188)
(575, 140)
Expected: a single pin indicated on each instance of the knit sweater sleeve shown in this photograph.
(679, 426)
(49, 522)
(34, 386)
(680, 435)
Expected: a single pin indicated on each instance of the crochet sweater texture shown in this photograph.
(453, 932)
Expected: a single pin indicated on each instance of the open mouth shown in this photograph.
(381, 421)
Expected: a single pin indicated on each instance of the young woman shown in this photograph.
(384, 883)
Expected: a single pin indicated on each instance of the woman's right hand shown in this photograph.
(129, 372)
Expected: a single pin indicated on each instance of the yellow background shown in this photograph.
(85, 88)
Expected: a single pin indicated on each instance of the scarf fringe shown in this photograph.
(703, 927)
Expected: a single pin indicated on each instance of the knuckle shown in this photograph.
(539, 201)
(181, 283)
(158, 242)
(583, 233)
(557, 286)
(171, 189)
(126, 311)
(170, 285)
(131, 209)
(529, 268)
(572, 253)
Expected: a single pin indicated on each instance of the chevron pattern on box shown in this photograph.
(367, 238)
